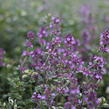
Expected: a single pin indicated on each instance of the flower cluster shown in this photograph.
(86, 13)
(62, 78)
(2, 52)
(104, 41)
(89, 30)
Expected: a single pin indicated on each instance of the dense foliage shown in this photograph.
(62, 77)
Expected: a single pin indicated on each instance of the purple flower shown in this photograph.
(42, 97)
(34, 95)
(31, 35)
(28, 44)
(86, 37)
(22, 68)
(73, 107)
(75, 91)
(104, 41)
(42, 33)
(70, 41)
(85, 10)
(38, 96)
(56, 20)
(26, 53)
(67, 105)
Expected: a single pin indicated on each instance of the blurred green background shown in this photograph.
(17, 17)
